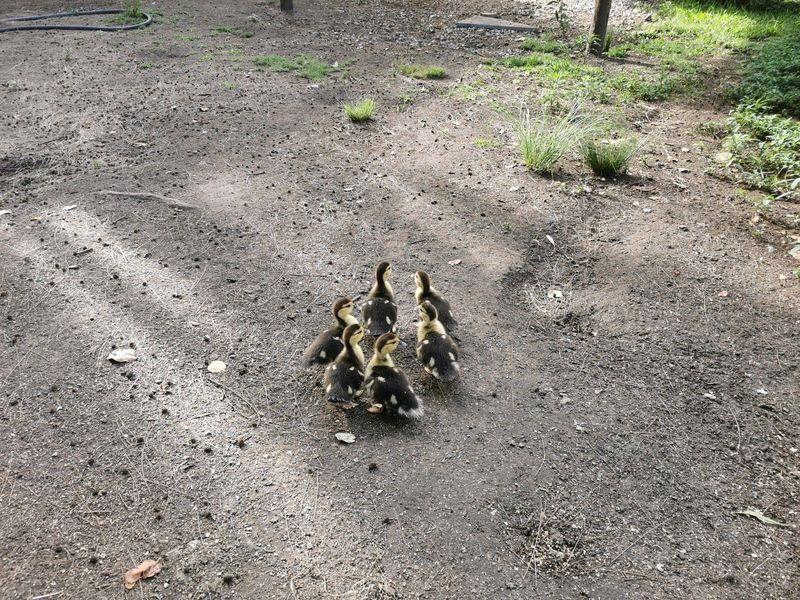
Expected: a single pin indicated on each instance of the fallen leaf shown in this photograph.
(455, 262)
(122, 355)
(71, 207)
(216, 366)
(144, 571)
(550, 239)
(4, 212)
(555, 294)
(795, 252)
(762, 391)
(346, 437)
(723, 294)
(375, 408)
(757, 514)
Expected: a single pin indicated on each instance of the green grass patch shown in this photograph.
(485, 143)
(305, 66)
(422, 71)
(361, 111)
(773, 74)
(544, 45)
(609, 158)
(764, 149)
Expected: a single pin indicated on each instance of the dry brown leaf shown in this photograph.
(375, 408)
(144, 571)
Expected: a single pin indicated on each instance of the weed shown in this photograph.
(146, 65)
(484, 143)
(208, 56)
(764, 149)
(304, 66)
(544, 140)
(609, 158)
(185, 37)
(230, 85)
(226, 29)
(422, 71)
(360, 112)
(131, 13)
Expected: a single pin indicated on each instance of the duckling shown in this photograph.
(425, 291)
(343, 378)
(436, 350)
(388, 385)
(328, 344)
(380, 311)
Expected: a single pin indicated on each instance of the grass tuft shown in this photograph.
(422, 71)
(305, 66)
(545, 139)
(131, 13)
(360, 112)
(609, 158)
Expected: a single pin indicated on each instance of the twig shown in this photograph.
(171, 202)
(50, 595)
(242, 398)
(738, 430)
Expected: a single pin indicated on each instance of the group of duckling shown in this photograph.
(346, 375)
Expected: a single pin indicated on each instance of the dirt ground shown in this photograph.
(598, 444)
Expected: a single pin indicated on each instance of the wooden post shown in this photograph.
(287, 5)
(602, 9)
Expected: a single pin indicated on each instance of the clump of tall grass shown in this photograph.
(609, 158)
(361, 111)
(544, 139)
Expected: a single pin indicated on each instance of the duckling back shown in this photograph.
(379, 315)
(439, 355)
(343, 379)
(390, 387)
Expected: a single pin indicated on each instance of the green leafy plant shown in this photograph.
(764, 149)
(609, 158)
(544, 139)
(422, 71)
(361, 111)
(773, 75)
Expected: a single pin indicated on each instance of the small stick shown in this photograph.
(738, 430)
(50, 595)
(171, 202)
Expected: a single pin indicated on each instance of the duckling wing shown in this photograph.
(380, 316)
(343, 379)
(445, 312)
(390, 387)
(325, 348)
(439, 356)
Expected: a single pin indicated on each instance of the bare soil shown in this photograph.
(598, 444)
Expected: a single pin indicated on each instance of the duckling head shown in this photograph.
(423, 281)
(427, 313)
(386, 344)
(341, 309)
(353, 334)
(383, 272)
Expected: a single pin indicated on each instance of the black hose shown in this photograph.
(147, 20)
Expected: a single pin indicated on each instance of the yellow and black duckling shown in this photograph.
(435, 349)
(328, 344)
(380, 311)
(390, 389)
(426, 292)
(343, 378)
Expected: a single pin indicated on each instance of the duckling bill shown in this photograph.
(328, 344)
(435, 349)
(380, 311)
(343, 378)
(388, 385)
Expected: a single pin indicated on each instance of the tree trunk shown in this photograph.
(602, 9)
